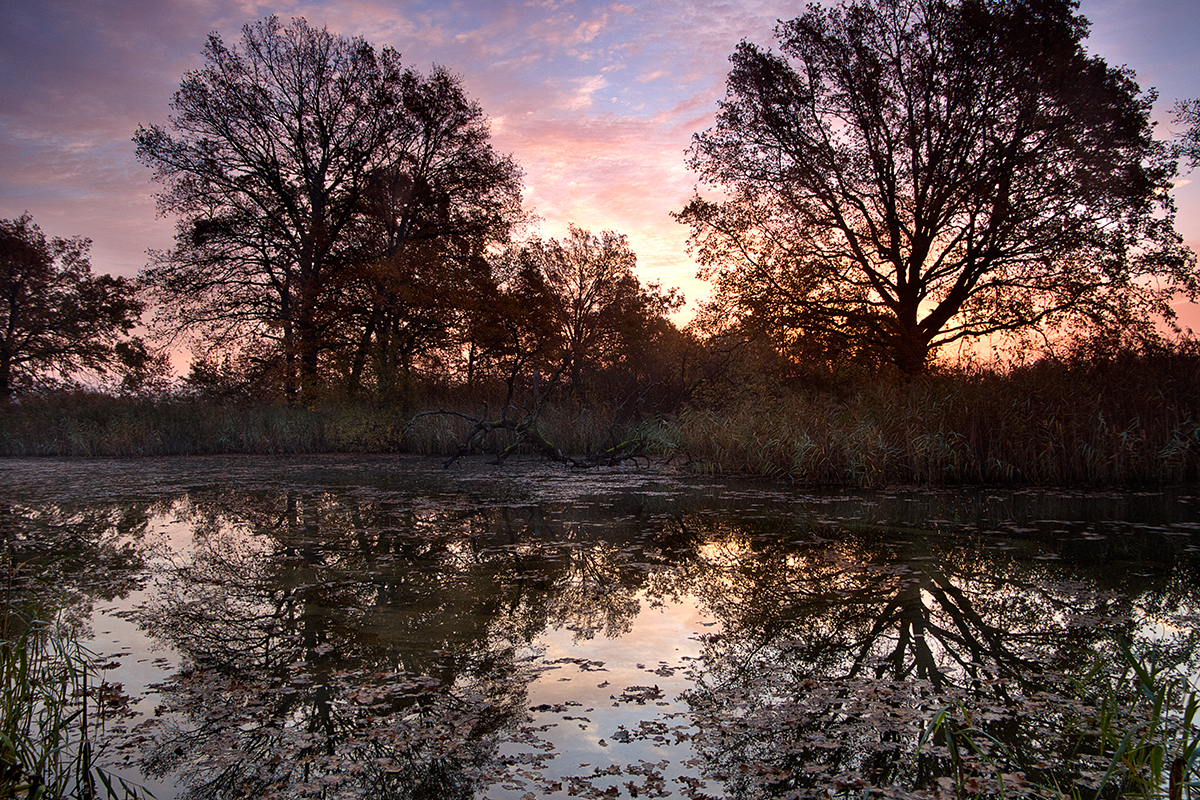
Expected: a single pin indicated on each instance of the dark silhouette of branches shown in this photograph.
(905, 174)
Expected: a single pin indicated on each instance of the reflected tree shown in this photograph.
(836, 655)
(62, 557)
(300, 679)
(361, 641)
(363, 644)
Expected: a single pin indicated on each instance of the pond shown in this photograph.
(381, 627)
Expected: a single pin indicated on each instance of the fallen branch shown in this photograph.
(525, 432)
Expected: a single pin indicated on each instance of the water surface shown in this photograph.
(381, 627)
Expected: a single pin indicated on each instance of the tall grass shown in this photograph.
(1139, 737)
(1134, 423)
(1147, 725)
(51, 716)
(97, 425)
(1132, 419)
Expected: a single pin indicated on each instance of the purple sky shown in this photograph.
(596, 100)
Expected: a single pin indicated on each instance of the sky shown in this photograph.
(597, 101)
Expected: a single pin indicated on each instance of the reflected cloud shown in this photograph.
(375, 626)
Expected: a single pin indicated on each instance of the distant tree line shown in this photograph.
(900, 176)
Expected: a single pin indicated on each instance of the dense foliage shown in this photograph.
(1117, 418)
(55, 315)
(326, 196)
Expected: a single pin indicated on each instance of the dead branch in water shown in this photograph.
(525, 432)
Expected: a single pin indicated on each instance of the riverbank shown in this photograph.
(1113, 423)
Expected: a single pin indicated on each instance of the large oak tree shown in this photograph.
(299, 164)
(909, 173)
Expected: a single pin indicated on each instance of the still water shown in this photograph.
(380, 627)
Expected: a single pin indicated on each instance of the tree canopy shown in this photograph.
(905, 174)
(307, 169)
(600, 309)
(1187, 112)
(54, 313)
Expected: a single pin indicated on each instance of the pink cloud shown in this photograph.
(596, 100)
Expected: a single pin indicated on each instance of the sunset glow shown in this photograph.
(597, 101)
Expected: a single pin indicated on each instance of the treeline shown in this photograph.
(1119, 417)
(353, 271)
(346, 229)
(537, 319)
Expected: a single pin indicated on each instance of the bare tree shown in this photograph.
(296, 159)
(600, 306)
(1187, 112)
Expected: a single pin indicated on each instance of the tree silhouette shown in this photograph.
(298, 159)
(601, 308)
(54, 313)
(1187, 112)
(906, 174)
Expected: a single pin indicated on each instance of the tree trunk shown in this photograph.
(6, 389)
(308, 351)
(909, 348)
(359, 362)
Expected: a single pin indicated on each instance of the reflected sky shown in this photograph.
(380, 627)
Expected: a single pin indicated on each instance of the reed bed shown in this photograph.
(1034, 426)
(52, 714)
(96, 425)
(1116, 422)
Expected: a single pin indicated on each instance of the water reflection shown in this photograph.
(62, 557)
(349, 633)
(335, 644)
(835, 653)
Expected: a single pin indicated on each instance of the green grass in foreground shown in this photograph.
(1133, 422)
(51, 718)
(1137, 736)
